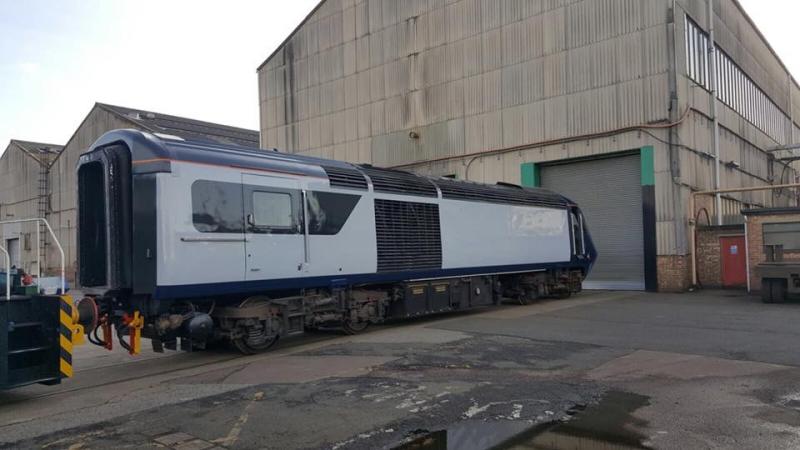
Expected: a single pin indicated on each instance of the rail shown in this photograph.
(37, 220)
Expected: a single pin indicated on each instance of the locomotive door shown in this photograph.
(274, 235)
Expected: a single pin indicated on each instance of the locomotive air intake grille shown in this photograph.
(346, 178)
(399, 182)
(408, 235)
(511, 195)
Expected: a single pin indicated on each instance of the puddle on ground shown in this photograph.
(609, 425)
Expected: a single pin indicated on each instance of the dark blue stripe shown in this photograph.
(263, 286)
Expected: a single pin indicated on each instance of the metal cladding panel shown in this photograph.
(669, 241)
(493, 130)
(513, 126)
(554, 22)
(629, 57)
(656, 56)
(513, 52)
(492, 14)
(512, 85)
(473, 56)
(656, 98)
(609, 193)
(493, 90)
(492, 50)
(631, 102)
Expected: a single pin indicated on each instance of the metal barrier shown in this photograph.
(38, 254)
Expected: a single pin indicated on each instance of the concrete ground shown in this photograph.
(600, 370)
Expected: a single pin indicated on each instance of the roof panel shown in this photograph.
(187, 128)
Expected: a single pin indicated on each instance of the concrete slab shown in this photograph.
(292, 369)
(708, 370)
(642, 364)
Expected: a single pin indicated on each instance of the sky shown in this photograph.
(191, 58)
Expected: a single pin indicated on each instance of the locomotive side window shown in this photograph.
(217, 207)
(577, 233)
(329, 211)
(272, 210)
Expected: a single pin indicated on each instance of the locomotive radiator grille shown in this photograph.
(408, 235)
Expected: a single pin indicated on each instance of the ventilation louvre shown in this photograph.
(399, 182)
(346, 178)
(408, 235)
(507, 194)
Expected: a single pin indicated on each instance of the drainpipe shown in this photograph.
(712, 73)
(747, 252)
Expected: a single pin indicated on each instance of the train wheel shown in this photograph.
(258, 337)
(350, 327)
(528, 296)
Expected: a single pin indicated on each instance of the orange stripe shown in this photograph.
(154, 160)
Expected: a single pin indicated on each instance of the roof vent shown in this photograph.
(150, 116)
(134, 115)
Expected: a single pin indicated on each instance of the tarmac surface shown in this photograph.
(608, 370)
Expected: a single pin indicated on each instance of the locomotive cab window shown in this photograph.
(272, 210)
(577, 233)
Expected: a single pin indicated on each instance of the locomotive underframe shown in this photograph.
(255, 323)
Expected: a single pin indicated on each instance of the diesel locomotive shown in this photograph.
(189, 242)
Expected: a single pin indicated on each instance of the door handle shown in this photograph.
(255, 270)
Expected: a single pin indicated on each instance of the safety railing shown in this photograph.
(37, 220)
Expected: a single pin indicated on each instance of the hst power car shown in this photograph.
(188, 242)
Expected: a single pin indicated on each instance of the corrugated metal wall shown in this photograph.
(466, 75)
(745, 163)
(19, 199)
(474, 75)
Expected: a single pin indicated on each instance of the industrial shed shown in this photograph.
(23, 181)
(49, 190)
(605, 101)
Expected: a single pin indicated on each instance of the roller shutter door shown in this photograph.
(609, 193)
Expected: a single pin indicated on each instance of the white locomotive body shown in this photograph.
(208, 241)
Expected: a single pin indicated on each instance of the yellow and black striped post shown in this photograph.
(66, 335)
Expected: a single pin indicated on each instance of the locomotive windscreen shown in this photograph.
(92, 225)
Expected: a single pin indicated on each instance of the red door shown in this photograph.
(734, 263)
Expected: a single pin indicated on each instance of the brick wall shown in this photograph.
(755, 243)
(674, 274)
(709, 258)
